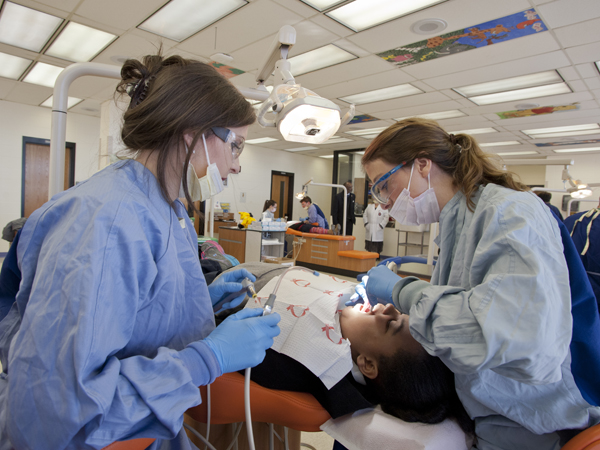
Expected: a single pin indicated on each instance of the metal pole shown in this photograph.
(59, 116)
(578, 200)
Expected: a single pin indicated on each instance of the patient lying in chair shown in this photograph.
(351, 358)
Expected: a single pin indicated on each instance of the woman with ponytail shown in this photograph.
(497, 311)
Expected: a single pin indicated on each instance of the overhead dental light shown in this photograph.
(300, 115)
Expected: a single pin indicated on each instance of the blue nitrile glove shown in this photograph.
(225, 284)
(359, 292)
(380, 285)
(242, 339)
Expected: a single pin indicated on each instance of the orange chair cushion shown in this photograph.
(296, 410)
(357, 254)
(133, 444)
(586, 440)
(330, 237)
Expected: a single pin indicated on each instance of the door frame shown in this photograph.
(290, 208)
(30, 140)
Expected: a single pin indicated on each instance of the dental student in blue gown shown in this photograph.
(497, 311)
(113, 329)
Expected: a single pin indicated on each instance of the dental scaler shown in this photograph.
(247, 287)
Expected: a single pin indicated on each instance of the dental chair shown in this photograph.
(295, 410)
(586, 440)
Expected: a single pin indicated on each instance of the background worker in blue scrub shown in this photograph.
(498, 309)
(113, 328)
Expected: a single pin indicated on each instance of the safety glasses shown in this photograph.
(229, 137)
(381, 189)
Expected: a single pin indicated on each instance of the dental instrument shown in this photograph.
(247, 286)
(267, 309)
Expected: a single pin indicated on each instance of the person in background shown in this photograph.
(497, 311)
(337, 210)
(315, 214)
(546, 197)
(113, 329)
(375, 219)
(585, 231)
(269, 209)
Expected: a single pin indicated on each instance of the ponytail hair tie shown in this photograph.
(454, 143)
(452, 139)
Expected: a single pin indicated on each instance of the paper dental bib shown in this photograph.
(310, 326)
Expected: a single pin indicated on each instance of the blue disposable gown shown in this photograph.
(104, 335)
(497, 312)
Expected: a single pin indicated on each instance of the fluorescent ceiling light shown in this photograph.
(571, 150)
(179, 19)
(43, 74)
(361, 14)
(25, 27)
(79, 43)
(510, 84)
(521, 94)
(261, 140)
(326, 156)
(377, 95)
(322, 5)
(516, 153)
(71, 101)
(476, 131)
(12, 66)
(598, 65)
(301, 149)
(336, 140)
(450, 114)
(499, 144)
(573, 130)
(319, 58)
(366, 131)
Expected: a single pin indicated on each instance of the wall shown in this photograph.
(255, 180)
(18, 120)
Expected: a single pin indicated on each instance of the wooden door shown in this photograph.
(282, 184)
(36, 173)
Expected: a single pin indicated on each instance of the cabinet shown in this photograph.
(414, 237)
(250, 245)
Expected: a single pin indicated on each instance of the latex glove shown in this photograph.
(359, 292)
(380, 284)
(225, 284)
(242, 339)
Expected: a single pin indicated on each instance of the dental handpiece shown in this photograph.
(247, 287)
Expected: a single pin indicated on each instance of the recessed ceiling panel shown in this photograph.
(25, 27)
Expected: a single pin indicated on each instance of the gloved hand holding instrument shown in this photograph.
(230, 288)
(378, 286)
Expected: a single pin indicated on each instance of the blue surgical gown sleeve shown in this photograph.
(506, 305)
(312, 214)
(86, 367)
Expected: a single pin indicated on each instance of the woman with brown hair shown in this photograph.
(497, 311)
(113, 329)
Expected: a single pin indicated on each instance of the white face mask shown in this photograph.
(273, 209)
(209, 185)
(416, 211)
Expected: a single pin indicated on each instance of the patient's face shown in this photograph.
(381, 331)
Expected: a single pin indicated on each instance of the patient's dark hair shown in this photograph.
(418, 387)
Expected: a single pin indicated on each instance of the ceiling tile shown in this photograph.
(593, 83)
(88, 86)
(29, 94)
(6, 86)
(517, 67)
(332, 25)
(239, 29)
(578, 86)
(309, 36)
(587, 70)
(569, 73)
(298, 7)
(397, 103)
(354, 69)
(364, 84)
(584, 53)
(579, 33)
(397, 32)
(567, 12)
(521, 48)
(131, 12)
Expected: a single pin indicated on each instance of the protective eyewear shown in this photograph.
(381, 189)
(229, 137)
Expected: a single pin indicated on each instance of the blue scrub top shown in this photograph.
(105, 334)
